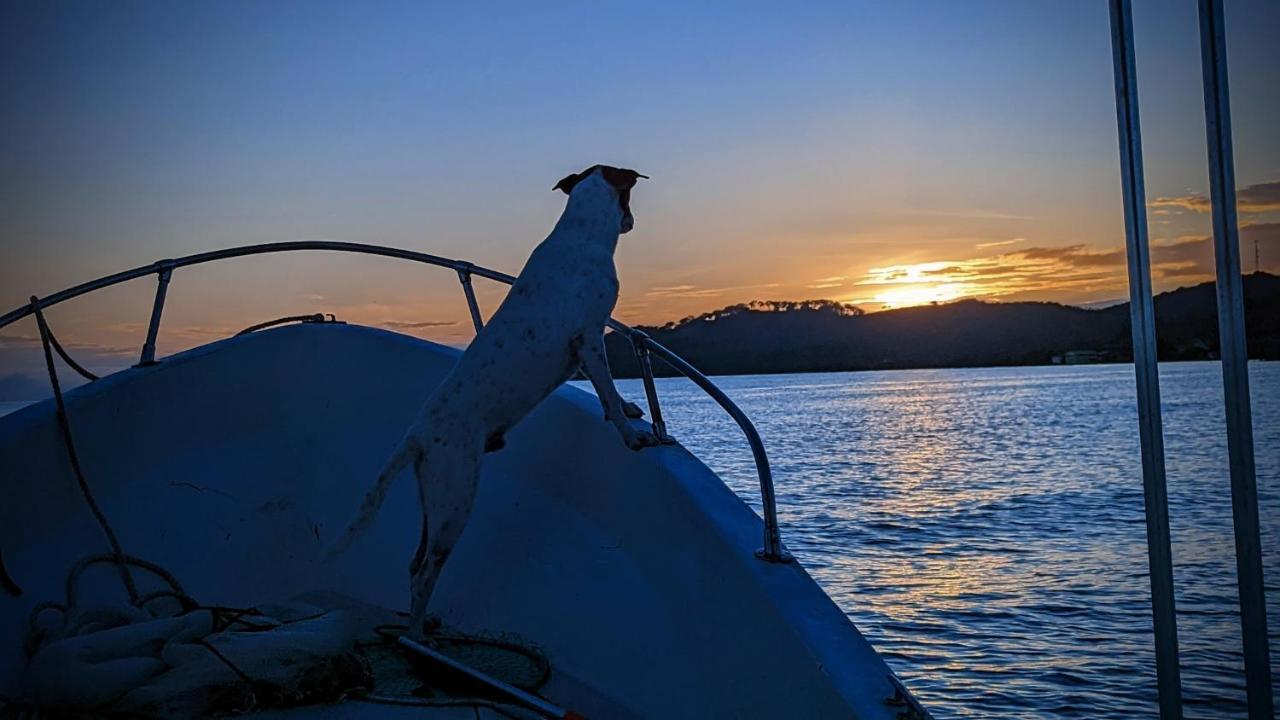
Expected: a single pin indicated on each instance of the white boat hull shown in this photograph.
(234, 465)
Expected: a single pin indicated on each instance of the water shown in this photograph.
(984, 528)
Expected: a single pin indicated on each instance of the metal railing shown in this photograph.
(645, 348)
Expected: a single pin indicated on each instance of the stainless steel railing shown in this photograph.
(644, 347)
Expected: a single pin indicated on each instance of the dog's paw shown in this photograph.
(422, 629)
(639, 439)
(632, 410)
(432, 624)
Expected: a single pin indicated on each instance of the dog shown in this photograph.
(550, 325)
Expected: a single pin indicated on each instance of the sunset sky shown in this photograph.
(883, 154)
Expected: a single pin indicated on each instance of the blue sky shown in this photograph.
(842, 150)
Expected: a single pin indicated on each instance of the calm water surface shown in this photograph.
(984, 528)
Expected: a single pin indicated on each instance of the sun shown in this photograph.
(911, 295)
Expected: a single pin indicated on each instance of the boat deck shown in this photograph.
(233, 466)
(361, 709)
(405, 686)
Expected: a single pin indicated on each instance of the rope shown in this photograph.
(62, 352)
(225, 661)
(73, 577)
(71, 363)
(224, 618)
(64, 424)
(313, 318)
(7, 582)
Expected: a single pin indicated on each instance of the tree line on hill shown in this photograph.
(824, 336)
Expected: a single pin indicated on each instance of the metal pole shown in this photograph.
(639, 343)
(511, 692)
(153, 328)
(1142, 321)
(1235, 370)
(773, 551)
(464, 277)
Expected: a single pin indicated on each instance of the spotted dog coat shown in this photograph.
(550, 325)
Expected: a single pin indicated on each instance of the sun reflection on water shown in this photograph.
(984, 528)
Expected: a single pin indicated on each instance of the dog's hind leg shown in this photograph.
(495, 442)
(408, 451)
(447, 479)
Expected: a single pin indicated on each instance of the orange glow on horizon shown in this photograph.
(918, 295)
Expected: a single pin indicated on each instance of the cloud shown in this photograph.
(1192, 257)
(29, 342)
(998, 273)
(1073, 255)
(10, 342)
(693, 291)
(945, 270)
(1195, 202)
(1259, 198)
(1052, 271)
(676, 290)
(998, 243)
(419, 325)
(200, 333)
(22, 356)
(827, 282)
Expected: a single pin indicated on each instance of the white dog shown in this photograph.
(550, 325)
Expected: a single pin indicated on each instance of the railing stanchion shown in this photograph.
(640, 343)
(772, 550)
(157, 308)
(1235, 359)
(464, 277)
(1143, 327)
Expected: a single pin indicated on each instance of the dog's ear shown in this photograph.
(621, 178)
(570, 181)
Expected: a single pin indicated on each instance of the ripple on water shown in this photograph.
(984, 527)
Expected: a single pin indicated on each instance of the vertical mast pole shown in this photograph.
(1142, 321)
(1235, 370)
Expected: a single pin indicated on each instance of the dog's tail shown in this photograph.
(408, 451)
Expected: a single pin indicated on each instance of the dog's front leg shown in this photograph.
(590, 351)
(630, 409)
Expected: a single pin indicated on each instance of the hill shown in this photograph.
(818, 336)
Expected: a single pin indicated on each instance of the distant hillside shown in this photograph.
(772, 337)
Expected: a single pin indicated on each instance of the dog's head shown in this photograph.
(620, 179)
